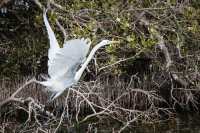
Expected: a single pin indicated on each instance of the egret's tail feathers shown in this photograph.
(36, 81)
(44, 83)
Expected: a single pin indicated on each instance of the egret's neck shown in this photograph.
(80, 71)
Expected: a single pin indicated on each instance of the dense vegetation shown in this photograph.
(24, 41)
(159, 47)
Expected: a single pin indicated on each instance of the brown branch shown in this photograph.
(12, 97)
(37, 2)
(165, 51)
(62, 29)
(123, 60)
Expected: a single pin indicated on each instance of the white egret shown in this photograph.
(63, 62)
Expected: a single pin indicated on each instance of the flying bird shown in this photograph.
(63, 62)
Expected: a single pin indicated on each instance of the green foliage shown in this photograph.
(97, 20)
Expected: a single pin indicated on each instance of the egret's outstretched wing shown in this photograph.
(82, 44)
(68, 58)
(54, 46)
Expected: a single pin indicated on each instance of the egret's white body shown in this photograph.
(64, 62)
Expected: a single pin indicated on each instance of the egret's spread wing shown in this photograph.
(78, 47)
(68, 58)
(54, 46)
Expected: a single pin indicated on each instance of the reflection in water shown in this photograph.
(182, 124)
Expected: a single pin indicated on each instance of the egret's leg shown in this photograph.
(54, 96)
(51, 97)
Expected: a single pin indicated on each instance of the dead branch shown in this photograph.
(13, 96)
(164, 49)
(123, 60)
(32, 105)
(62, 29)
(37, 2)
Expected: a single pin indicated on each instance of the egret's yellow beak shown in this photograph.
(114, 42)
